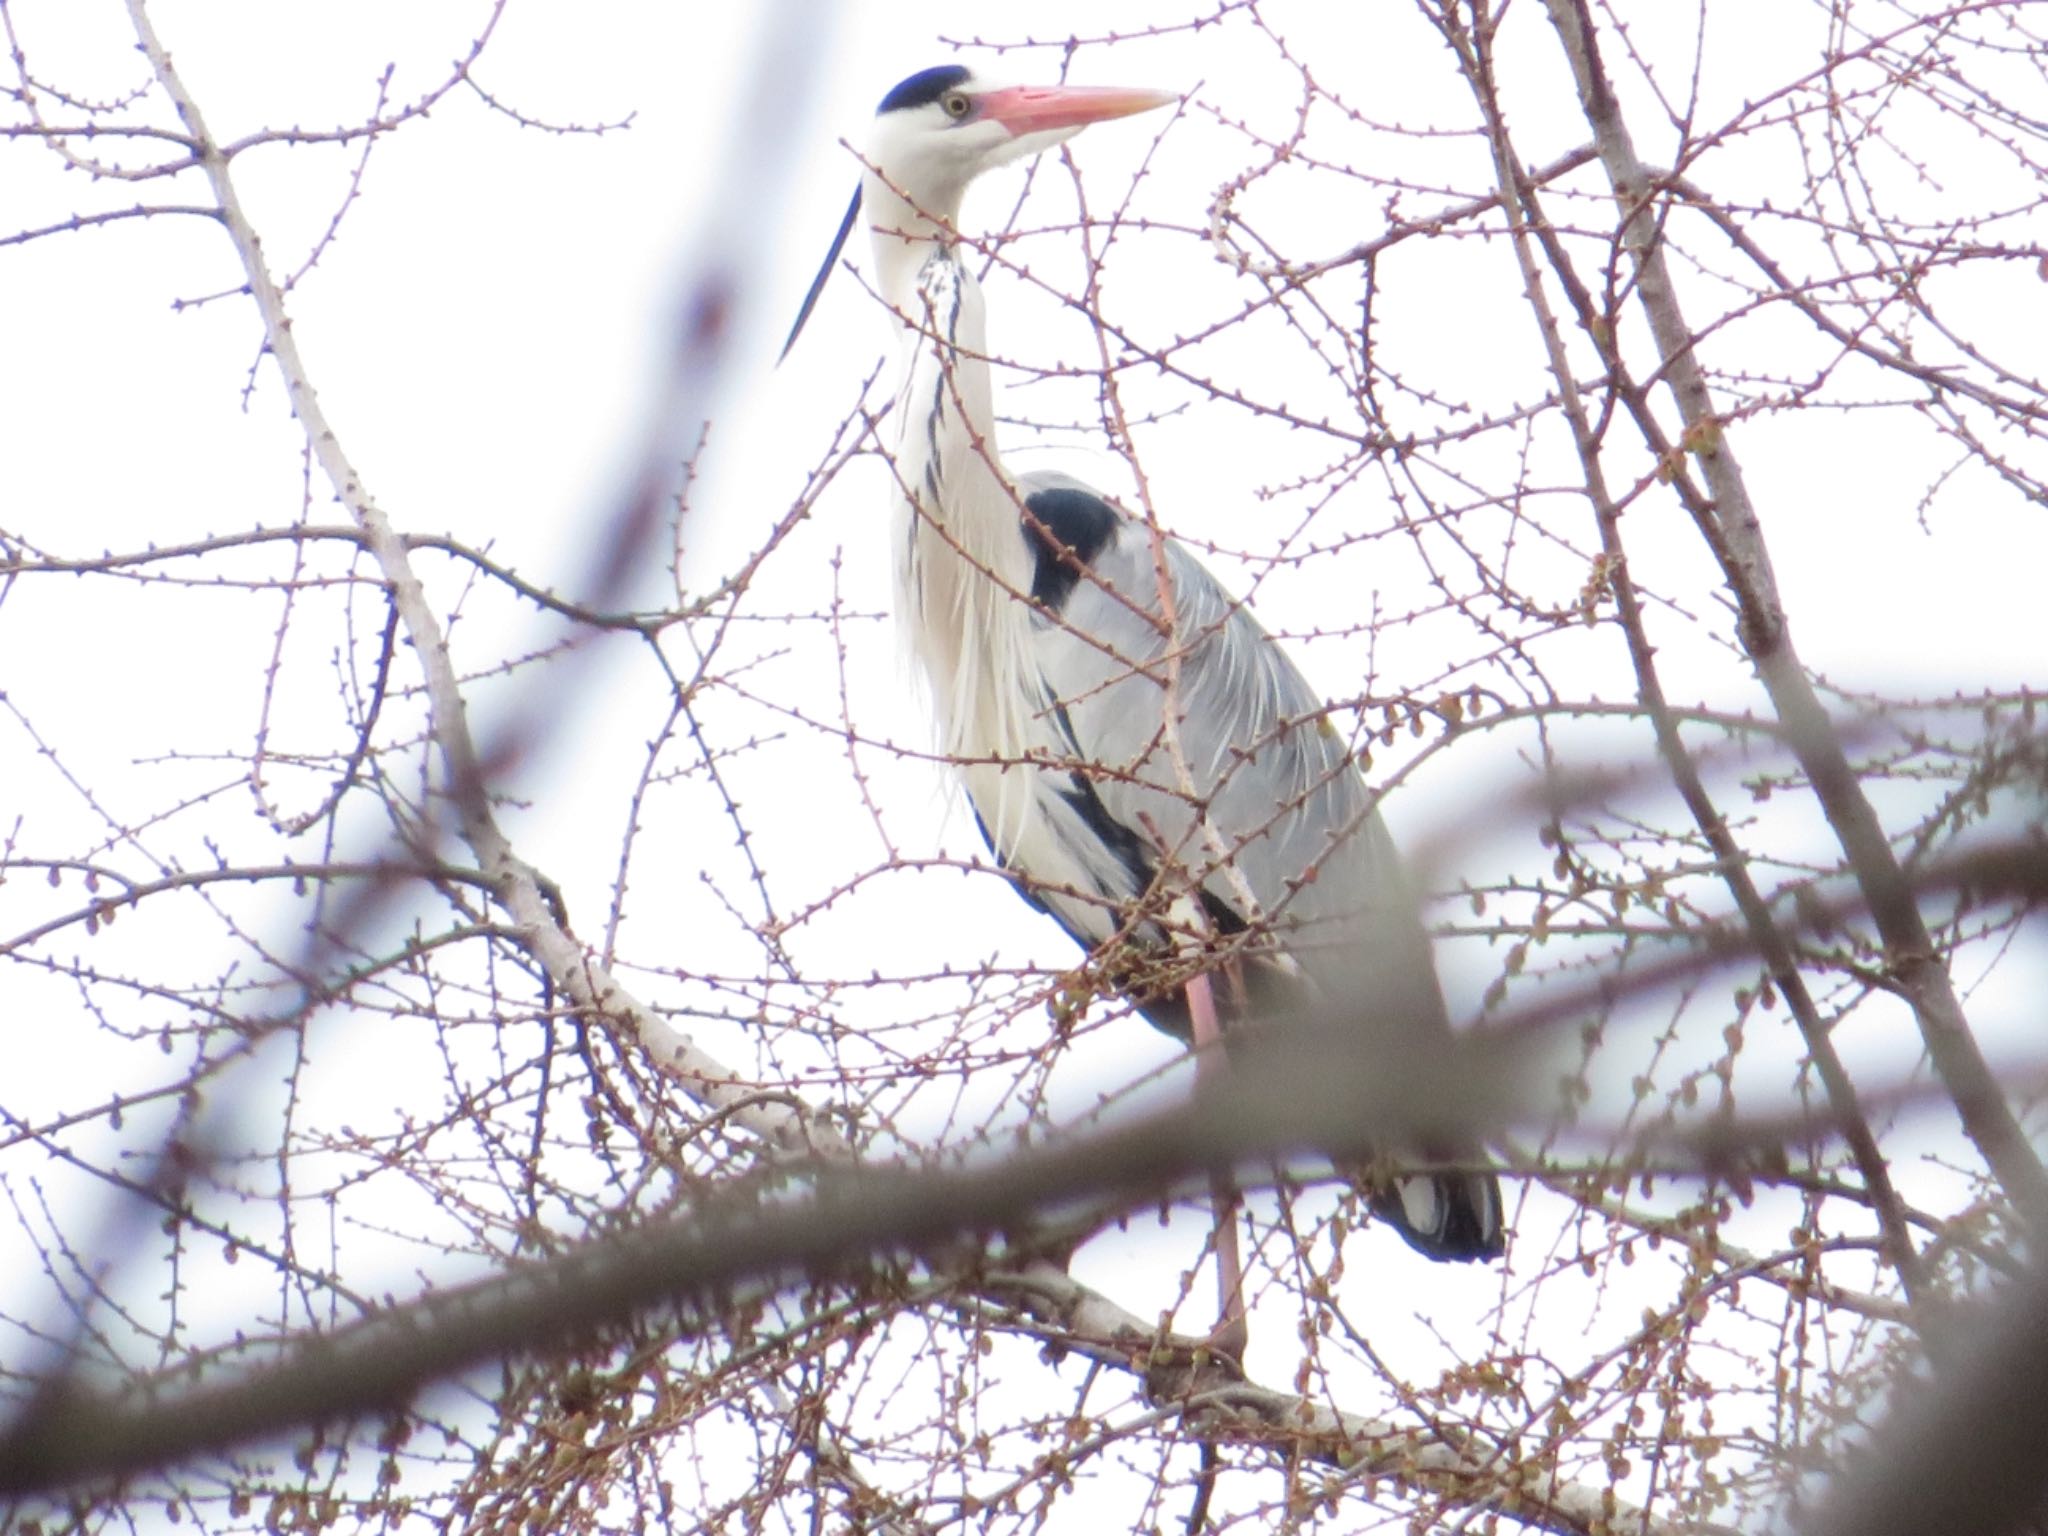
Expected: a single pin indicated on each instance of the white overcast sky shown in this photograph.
(486, 329)
(486, 332)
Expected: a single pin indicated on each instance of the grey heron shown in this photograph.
(1123, 730)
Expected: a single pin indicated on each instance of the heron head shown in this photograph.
(939, 129)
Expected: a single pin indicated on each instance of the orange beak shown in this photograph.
(1027, 109)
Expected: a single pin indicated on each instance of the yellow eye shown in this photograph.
(957, 104)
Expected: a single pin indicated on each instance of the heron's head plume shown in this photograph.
(940, 128)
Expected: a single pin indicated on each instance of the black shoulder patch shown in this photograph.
(1066, 529)
(924, 88)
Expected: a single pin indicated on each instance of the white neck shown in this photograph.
(903, 237)
(963, 571)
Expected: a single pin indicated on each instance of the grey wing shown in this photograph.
(1247, 788)
(1200, 749)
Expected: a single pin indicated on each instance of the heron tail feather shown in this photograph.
(1450, 1217)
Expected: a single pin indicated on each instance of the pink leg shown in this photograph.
(1232, 1330)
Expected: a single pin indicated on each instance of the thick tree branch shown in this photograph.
(733, 1243)
(1772, 944)
(520, 889)
(1735, 532)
